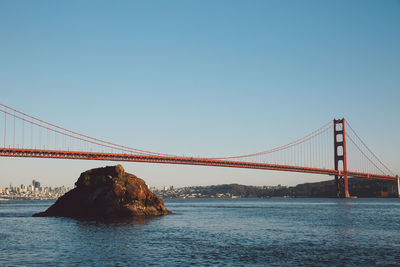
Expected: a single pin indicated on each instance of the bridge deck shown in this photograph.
(36, 153)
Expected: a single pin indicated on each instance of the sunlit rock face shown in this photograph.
(107, 192)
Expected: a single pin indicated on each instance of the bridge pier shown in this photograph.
(342, 185)
(397, 187)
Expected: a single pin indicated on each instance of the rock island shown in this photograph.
(107, 192)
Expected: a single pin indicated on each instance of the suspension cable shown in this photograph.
(364, 153)
(88, 137)
(373, 154)
(296, 142)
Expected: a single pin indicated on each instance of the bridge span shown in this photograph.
(323, 151)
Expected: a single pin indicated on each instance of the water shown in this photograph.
(282, 232)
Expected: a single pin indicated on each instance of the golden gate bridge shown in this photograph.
(333, 149)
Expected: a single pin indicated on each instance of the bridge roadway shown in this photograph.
(37, 153)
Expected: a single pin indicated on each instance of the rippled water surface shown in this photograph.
(287, 232)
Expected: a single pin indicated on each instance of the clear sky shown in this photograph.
(200, 78)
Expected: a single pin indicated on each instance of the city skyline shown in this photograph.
(209, 79)
(32, 191)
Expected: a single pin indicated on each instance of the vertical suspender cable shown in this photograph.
(5, 128)
(31, 136)
(23, 133)
(14, 132)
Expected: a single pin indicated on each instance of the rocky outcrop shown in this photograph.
(107, 192)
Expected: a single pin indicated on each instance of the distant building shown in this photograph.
(24, 188)
(35, 184)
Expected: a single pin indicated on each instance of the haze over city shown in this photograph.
(200, 79)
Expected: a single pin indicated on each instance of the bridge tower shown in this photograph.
(339, 130)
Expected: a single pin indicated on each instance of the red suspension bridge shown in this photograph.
(327, 150)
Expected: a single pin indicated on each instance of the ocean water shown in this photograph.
(223, 232)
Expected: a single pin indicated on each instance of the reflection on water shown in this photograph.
(210, 232)
(117, 222)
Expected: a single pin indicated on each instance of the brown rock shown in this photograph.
(107, 192)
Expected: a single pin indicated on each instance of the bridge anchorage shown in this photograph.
(27, 136)
(397, 186)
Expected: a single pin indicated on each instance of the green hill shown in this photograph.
(357, 187)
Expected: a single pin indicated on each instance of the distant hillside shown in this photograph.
(357, 186)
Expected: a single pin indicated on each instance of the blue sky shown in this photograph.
(200, 78)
